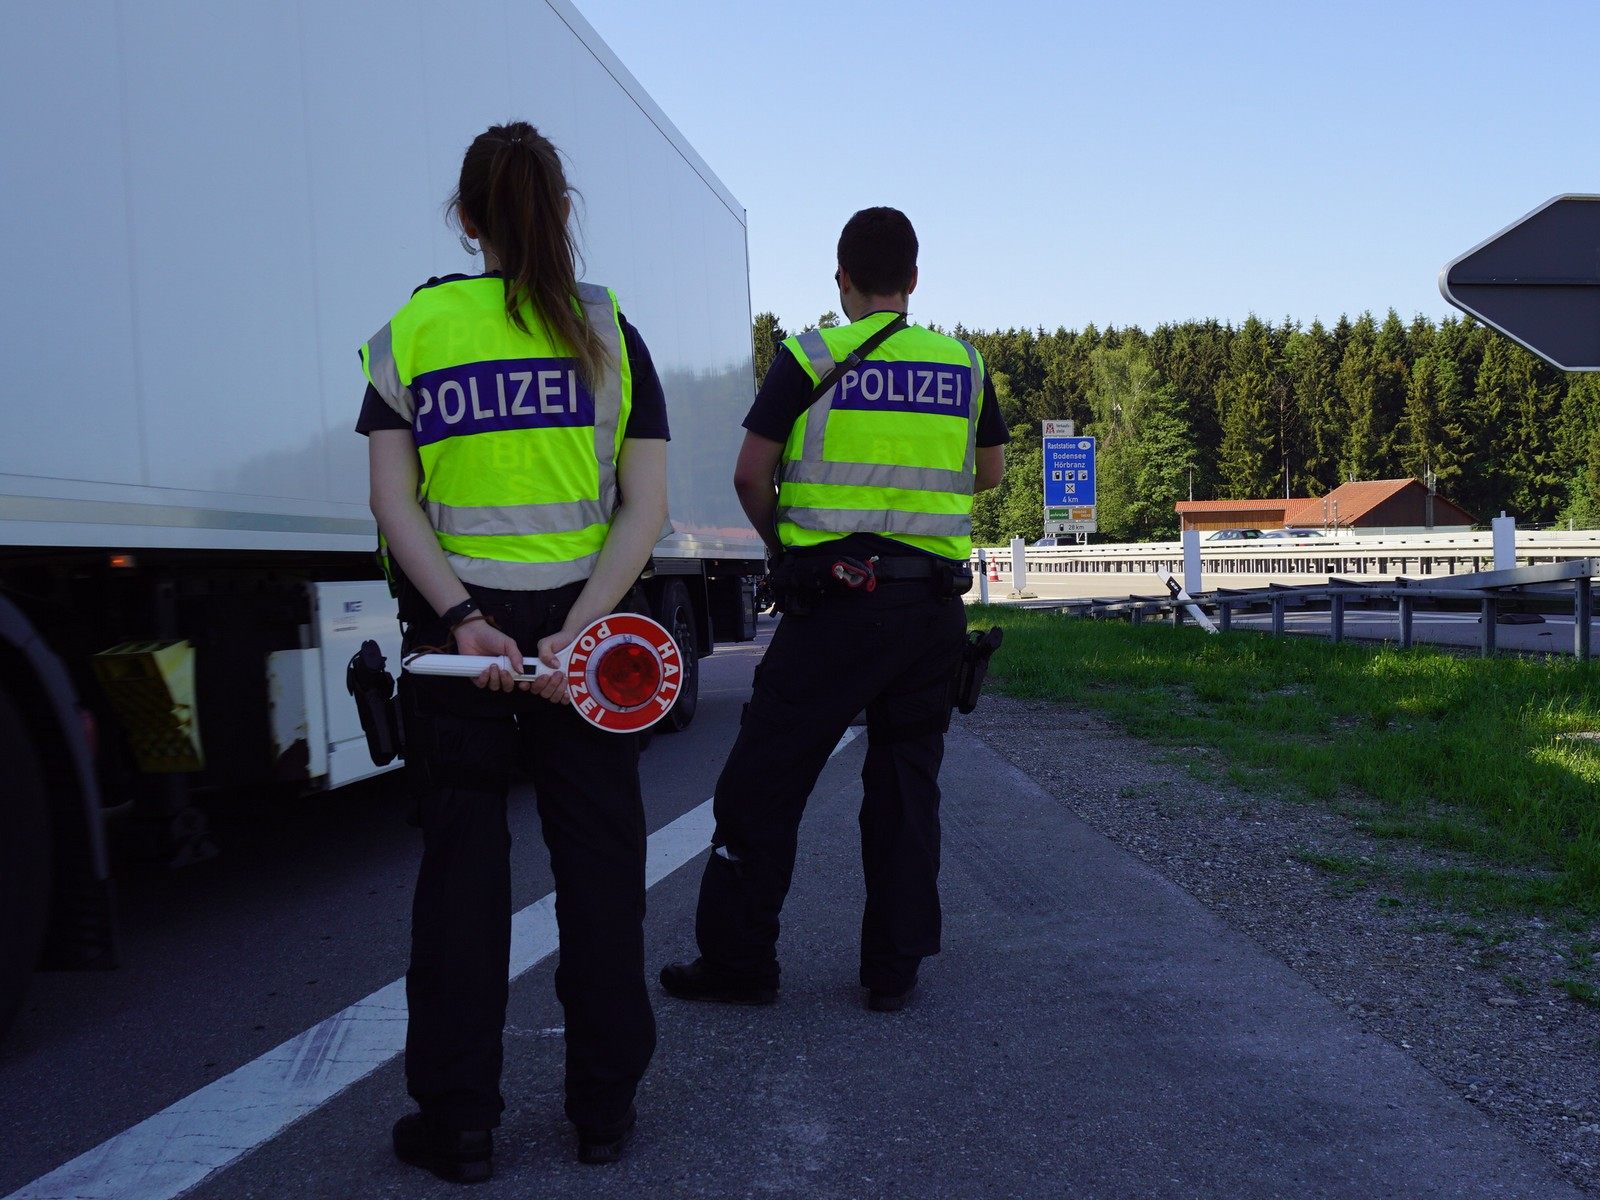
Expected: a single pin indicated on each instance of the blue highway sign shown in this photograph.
(1068, 472)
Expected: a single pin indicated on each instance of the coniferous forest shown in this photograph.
(1214, 411)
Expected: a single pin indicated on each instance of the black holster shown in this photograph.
(370, 684)
(974, 666)
(797, 585)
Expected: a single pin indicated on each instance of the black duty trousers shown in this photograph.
(892, 652)
(462, 746)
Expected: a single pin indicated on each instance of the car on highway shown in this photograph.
(1233, 535)
(1292, 533)
(1052, 543)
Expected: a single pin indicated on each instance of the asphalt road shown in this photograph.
(1090, 1029)
(306, 911)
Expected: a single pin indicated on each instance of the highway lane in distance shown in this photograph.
(306, 911)
(1554, 636)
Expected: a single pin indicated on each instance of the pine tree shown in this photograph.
(1290, 430)
(1579, 442)
(1453, 369)
(1417, 442)
(1530, 455)
(1357, 380)
(1244, 401)
(1390, 380)
(1191, 359)
(1310, 358)
(766, 335)
(1144, 451)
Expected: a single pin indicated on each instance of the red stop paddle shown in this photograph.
(623, 672)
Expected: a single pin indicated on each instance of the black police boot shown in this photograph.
(453, 1155)
(883, 998)
(696, 981)
(597, 1149)
(889, 1001)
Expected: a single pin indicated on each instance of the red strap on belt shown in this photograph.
(855, 574)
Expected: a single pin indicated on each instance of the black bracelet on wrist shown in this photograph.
(454, 616)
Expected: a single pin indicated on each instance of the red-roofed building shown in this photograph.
(1392, 506)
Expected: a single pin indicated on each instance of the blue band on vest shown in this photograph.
(940, 388)
(491, 397)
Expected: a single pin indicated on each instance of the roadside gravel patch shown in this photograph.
(1474, 997)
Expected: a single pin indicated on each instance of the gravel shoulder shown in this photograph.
(1472, 997)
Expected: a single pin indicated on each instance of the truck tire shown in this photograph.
(25, 858)
(677, 614)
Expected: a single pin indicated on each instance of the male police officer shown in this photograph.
(877, 434)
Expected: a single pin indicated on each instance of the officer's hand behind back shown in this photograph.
(549, 648)
(480, 637)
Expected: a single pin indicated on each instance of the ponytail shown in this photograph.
(513, 188)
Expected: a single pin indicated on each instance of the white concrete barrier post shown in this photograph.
(1505, 542)
(1019, 565)
(983, 576)
(1191, 562)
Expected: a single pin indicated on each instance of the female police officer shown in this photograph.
(517, 441)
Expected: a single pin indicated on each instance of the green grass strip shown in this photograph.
(1454, 752)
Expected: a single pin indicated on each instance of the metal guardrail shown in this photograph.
(1489, 589)
(1418, 554)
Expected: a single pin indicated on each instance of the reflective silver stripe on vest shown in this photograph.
(521, 576)
(602, 317)
(882, 475)
(877, 520)
(516, 519)
(972, 410)
(822, 361)
(386, 376)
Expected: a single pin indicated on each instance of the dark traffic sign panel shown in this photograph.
(1538, 282)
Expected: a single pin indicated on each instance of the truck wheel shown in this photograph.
(677, 614)
(25, 858)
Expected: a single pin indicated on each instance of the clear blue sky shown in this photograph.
(1133, 162)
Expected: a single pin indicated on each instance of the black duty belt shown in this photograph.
(826, 571)
(906, 566)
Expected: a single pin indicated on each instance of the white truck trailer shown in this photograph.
(208, 208)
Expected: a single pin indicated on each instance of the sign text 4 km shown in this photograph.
(1069, 483)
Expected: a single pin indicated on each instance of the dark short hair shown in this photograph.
(878, 250)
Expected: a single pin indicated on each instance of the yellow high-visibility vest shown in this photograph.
(519, 455)
(890, 449)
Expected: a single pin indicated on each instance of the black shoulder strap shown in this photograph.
(853, 359)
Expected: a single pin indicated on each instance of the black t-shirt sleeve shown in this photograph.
(992, 429)
(785, 394)
(648, 416)
(376, 414)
